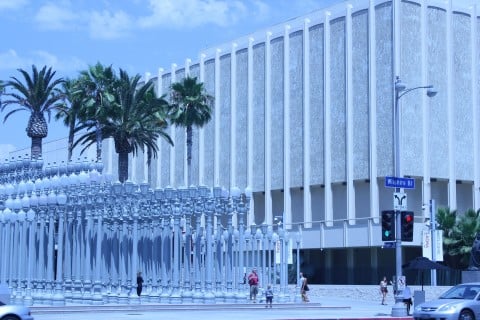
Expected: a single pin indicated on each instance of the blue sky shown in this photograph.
(136, 35)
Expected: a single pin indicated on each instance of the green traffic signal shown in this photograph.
(388, 225)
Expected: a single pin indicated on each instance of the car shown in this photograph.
(461, 302)
(14, 312)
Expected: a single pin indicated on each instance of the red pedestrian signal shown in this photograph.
(407, 225)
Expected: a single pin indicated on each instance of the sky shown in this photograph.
(136, 35)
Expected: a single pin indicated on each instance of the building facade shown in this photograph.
(304, 118)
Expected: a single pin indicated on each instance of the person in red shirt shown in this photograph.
(253, 282)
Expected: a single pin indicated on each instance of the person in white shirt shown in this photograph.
(407, 298)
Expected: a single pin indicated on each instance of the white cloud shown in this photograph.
(192, 13)
(260, 9)
(68, 65)
(11, 60)
(56, 17)
(107, 25)
(12, 4)
(100, 24)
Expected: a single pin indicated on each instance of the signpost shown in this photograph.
(389, 245)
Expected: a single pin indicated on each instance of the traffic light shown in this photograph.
(388, 225)
(407, 226)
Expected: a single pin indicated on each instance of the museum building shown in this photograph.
(304, 117)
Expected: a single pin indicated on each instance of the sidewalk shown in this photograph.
(327, 308)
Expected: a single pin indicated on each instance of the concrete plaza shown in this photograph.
(326, 302)
(327, 308)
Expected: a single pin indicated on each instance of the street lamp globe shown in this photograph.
(431, 92)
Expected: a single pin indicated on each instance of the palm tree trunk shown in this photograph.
(149, 164)
(71, 135)
(98, 133)
(36, 149)
(122, 167)
(189, 154)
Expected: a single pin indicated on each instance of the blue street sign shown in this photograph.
(389, 245)
(394, 182)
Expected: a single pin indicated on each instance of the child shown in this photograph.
(269, 296)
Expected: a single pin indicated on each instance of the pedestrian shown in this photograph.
(139, 283)
(268, 296)
(407, 298)
(384, 289)
(253, 283)
(304, 287)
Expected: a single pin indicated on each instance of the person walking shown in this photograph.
(253, 283)
(268, 296)
(384, 289)
(139, 283)
(304, 287)
(407, 298)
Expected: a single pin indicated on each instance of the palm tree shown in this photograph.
(135, 121)
(2, 88)
(97, 85)
(69, 110)
(191, 106)
(459, 233)
(38, 95)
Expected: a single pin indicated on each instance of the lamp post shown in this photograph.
(400, 90)
(298, 240)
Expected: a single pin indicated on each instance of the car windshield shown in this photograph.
(462, 291)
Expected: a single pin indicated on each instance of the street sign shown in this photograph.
(394, 182)
(389, 245)
(399, 201)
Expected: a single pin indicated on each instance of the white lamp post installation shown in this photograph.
(401, 89)
(82, 240)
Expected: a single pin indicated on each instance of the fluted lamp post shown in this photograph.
(58, 297)
(298, 296)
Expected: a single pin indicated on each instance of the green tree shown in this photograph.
(459, 232)
(2, 88)
(191, 106)
(38, 95)
(97, 85)
(135, 120)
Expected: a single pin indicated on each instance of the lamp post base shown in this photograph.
(399, 310)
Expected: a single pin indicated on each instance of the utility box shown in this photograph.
(418, 297)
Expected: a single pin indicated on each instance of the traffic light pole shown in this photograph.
(399, 309)
(433, 228)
